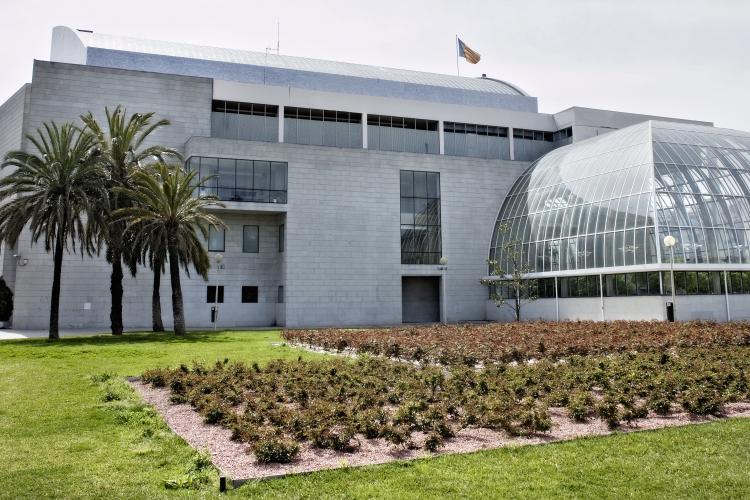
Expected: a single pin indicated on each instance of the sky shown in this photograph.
(684, 59)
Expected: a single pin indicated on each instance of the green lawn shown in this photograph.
(58, 439)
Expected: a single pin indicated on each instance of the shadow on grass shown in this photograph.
(106, 339)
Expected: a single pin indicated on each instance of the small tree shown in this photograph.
(53, 192)
(164, 209)
(510, 275)
(123, 151)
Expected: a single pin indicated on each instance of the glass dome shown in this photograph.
(609, 201)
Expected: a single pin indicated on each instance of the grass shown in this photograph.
(58, 438)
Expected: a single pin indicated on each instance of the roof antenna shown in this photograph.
(271, 49)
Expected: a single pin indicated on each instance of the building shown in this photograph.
(591, 220)
(344, 186)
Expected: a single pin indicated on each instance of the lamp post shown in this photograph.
(670, 242)
(219, 258)
(443, 267)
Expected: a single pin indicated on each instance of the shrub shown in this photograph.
(155, 377)
(433, 442)
(608, 409)
(338, 437)
(578, 406)
(702, 400)
(274, 449)
(532, 417)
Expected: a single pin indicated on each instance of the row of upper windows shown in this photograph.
(250, 239)
(259, 122)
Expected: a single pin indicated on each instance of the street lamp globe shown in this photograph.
(219, 257)
(669, 241)
(443, 261)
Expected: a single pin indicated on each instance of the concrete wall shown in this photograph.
(343, 247)
(342, 260)
(588, 122)
(62, 92)
(688, 307)
(12, 114)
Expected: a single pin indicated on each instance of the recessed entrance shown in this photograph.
(420, 299)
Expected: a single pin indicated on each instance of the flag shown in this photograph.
(468, 54)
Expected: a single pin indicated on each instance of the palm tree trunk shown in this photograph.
(54, 310)
(115, 315)
(158, 325)
(178, 312)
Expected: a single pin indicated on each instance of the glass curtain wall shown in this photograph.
(479, 141)
(318, 127)
(703, 194)
(528, 145)
(244, 121)
(411, 135)
(230, 179)
(583, 207)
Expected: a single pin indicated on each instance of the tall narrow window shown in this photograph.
(250, 239)
(281, 237)
(215, 239)
(420, 217)
(280, 295)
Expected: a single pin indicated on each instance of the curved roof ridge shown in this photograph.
(248, 57)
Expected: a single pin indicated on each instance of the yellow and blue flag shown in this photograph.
(468, 54)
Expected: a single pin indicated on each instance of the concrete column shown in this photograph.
(281, 123)
(557, 301)
(443, 298)
(510, 141)
(441, 135)
(601, 294)
(726, 296)
(364, 130)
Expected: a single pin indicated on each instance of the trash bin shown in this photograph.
(670, 311)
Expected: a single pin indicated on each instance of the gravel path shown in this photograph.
(233, 459)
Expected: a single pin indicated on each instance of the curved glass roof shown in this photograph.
(608, 201)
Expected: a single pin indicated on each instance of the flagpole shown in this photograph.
(458, 71)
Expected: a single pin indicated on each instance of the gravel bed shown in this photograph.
(234, 460)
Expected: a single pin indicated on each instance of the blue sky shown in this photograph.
(686, 59)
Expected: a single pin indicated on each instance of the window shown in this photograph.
(280, 295)
(320, 127)
(230, 179)
(563, 137)
(250, 239)
(249, 294)
(211, 294)
(528, 145)
(480, 141)
(244, 121)
(420, 217)
(216, 239)
(393, 133)
(281, 237)
(702, 282)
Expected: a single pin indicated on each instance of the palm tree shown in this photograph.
(123, 152)
(150, 249)
(53, 192)
(164, 209)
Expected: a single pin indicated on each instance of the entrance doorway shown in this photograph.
(420, 299)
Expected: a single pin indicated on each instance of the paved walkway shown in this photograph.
(11, 334)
